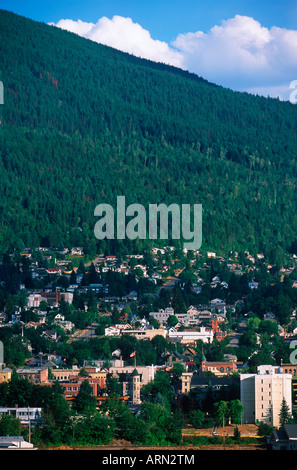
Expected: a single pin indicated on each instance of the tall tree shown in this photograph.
(85, 402)
(284, 414)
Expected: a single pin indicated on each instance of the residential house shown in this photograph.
(5, 374)
(51, 334)
(185, 319)
(284, 439)
(65, 324)
(59, 317)
(253, 285)
(162, 315)
(3, 318)
(77, 250)
(218, 305)
(187, 358)
(56, 271)
(112, 331)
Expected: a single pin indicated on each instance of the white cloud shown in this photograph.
(243, 55)
(121, 33)
(240, 53)
(79, 27)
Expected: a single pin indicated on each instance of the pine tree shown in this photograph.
(284, 414)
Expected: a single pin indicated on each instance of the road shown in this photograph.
(169, 284)
(86, 333)
(235, 337)
(171, 281)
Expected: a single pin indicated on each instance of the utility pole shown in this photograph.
(224, 431)
(29, 424)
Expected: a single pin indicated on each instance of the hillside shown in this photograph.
(82, 123)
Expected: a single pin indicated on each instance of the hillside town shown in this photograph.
(192, 329)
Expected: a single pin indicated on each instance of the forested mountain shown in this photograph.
(83, 123)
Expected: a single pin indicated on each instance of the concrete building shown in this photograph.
(219, 369)
(191, 336)
(131, 386)
(36, 375)
(147, 372)
(262, 394)
(24, 414)
(131, 383)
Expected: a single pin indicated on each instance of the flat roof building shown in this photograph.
(262, 395)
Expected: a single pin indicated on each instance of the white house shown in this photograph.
(112, 331)
(34, 300)
(24, 414)
(191, 336)
(162, 315)
(59, 317)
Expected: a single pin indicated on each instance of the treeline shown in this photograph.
(83, 123)
(159, 420)
(80, 423)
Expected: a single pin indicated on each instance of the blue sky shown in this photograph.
(165, 19)
(244, 44)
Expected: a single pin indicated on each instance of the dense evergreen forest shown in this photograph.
(83, 123)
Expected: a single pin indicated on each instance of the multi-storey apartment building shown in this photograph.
(262, 395)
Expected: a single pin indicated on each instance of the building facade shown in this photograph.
(5, 374)
(36, 375)
(219, 368)
(191, 337)
(262, 395)
(25, 414)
